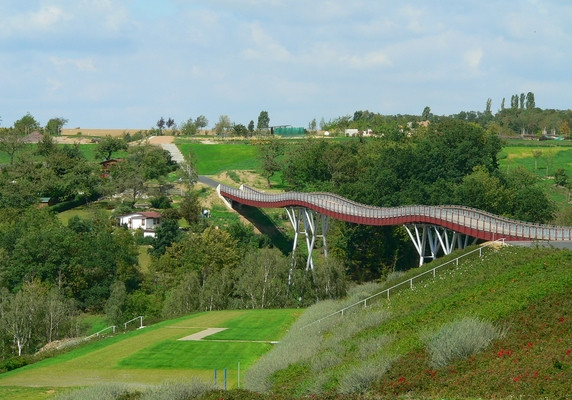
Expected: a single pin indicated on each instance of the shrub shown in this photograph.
(359, 379)
(177, 391)
(98, 392)
(161, 202)
(460, 339)
(371, 345)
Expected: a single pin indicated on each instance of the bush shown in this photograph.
(177, 391)
(98, 392)
(161, 202)
(460, 339)
(360, 378)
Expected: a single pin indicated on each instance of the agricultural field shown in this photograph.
(156, 353)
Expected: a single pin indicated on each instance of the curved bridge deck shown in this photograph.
(469, 221)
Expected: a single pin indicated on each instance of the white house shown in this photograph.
(148, 221)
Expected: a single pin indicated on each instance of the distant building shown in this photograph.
(148, 221)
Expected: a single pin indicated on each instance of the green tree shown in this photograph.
(223, 126)
(263, 120)
(11, 141)
(55, 125)
(269, 154)
(116, 304)
(560, 177)
(188, 171)
(165, 235)
(251, 127)
(188, 128)
(26, 125)
(183, 298)
(530, 103)
(109, 145)
(144, 163)
(201, 122)
(240, 130)
(262, 279)
(190, 207)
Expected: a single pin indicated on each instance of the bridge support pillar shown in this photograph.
(438, 238)
(311, 225)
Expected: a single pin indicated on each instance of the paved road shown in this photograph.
(208, 181)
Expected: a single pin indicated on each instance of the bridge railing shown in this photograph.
(467, 217)
(408, 283)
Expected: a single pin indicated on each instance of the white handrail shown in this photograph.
(410, 281)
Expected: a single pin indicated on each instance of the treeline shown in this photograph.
(520, 117)
(448, 162)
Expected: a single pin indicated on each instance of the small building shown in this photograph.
(148, 221)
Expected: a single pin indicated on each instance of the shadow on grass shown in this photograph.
(266, 226)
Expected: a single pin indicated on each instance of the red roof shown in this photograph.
(150, 214)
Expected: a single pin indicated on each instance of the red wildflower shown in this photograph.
(535, 374)
(516, 378)
(568, 352)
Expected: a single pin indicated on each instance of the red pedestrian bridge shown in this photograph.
(439, 227)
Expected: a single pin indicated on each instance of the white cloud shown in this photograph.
(80, 64)
(473, 58)
(264, 46)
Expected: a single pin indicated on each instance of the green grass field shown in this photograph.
(213, 159)
(155, 354)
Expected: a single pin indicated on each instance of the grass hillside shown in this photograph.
(492, 327)
(155, 354)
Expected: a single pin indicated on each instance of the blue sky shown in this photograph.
(124, 64)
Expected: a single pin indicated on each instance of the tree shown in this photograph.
(144, 162)
(170, 123)
(263, 120)
(269, 153)
(188, 128)
(426, 114)
(223, 125)
(183, 298)
(560, 177)
(201, 122)
(188, 171)
(522, 99)
(116, 303)
(312, 125)
(26, 125)
(262, 279)
(55, 125)
(514, 101)
(165, 235)
(537, 154)
(161, 125)
(488, 106)
(240, 130)
(109, 145)
(190, 207)
(251, 127)
(11, 141)
(530, 103)
(502, 103)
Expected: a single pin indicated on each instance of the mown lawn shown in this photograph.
(155, 354)
(213, 159)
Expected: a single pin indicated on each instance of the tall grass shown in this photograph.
(97, 392)
(460, 339)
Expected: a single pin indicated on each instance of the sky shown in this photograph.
(123, 64)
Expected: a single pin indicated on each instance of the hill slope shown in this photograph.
(383, 350)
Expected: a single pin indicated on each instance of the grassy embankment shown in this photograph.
(383, 349)
(155, 354)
